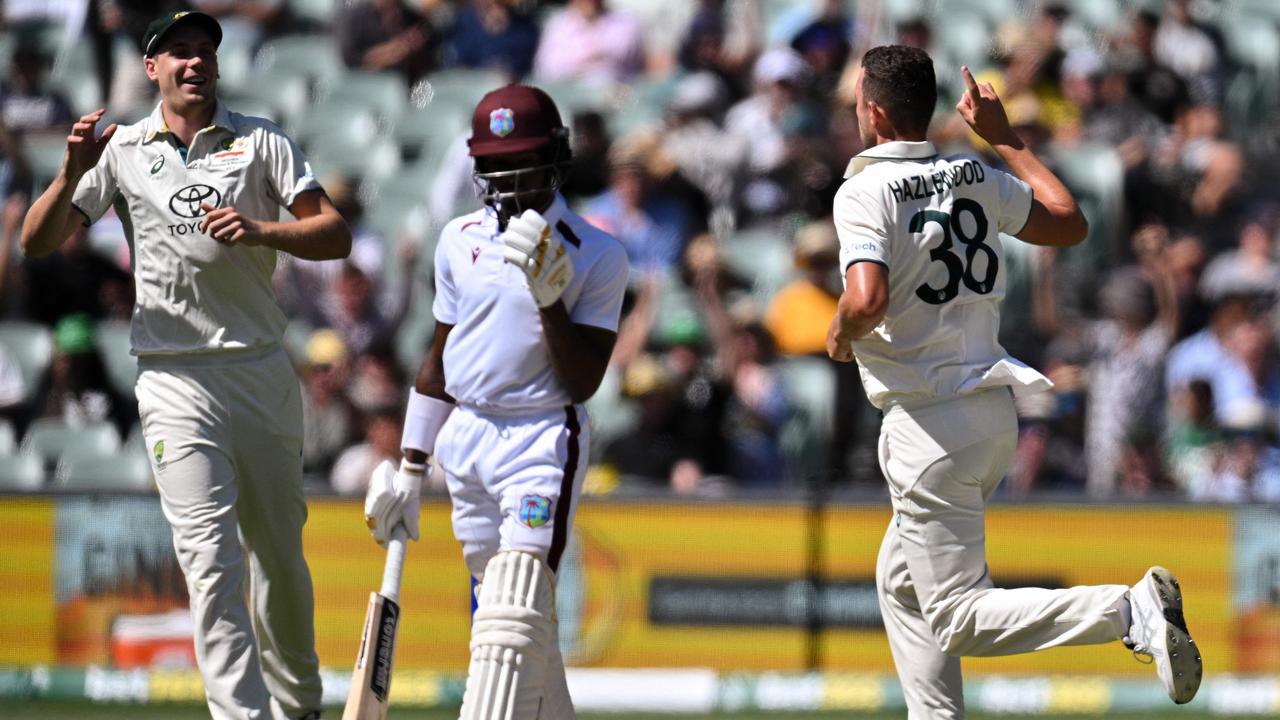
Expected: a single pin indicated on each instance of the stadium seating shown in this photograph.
(382, 92)
(21, 473)
(8, 438)
(116, 472)
(762, 257)
(811, 392)
(313, 57)
(31, 347)
(321, 12)
(113, 342)
(49, 438)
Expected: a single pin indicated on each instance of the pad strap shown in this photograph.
(422, 422)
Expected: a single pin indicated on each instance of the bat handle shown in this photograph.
(395, 564)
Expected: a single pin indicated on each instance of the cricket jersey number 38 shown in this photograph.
(958, 270)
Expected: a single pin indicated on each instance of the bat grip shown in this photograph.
(395, 564)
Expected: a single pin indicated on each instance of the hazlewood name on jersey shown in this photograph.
(922, 186)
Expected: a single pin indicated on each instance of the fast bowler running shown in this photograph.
(528, 297)
(199, 189)
(922, 264)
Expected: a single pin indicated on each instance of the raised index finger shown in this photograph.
(969, 82)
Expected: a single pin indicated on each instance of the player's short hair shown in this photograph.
(900, 80)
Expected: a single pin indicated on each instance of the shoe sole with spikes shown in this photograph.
(1158, 607)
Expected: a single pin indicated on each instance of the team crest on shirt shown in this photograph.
(158, 450)
(535, 510)
(502, 121)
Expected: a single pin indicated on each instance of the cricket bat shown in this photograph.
(371, 679)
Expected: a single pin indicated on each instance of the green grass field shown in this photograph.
(44, 710)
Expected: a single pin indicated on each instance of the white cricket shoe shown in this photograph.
(1159, 632)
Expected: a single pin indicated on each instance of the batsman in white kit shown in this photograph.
(199, 190)
(528, 298)
(922, 263)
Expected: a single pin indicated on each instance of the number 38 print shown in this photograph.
(974, 239)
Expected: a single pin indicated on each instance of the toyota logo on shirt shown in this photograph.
(186, 202)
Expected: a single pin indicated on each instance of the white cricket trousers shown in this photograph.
(514, 481)
(942, 462)
(224, 437)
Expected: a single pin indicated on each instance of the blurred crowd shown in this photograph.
(710, 137)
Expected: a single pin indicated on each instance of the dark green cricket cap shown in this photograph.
(165, 24)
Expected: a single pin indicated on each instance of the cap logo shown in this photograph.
(178, 16)
(502, 122)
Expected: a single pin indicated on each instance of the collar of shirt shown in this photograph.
(156, 125)
(895, 151)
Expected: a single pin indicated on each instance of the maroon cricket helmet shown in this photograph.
(515, 119)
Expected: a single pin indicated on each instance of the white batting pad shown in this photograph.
(511, 639)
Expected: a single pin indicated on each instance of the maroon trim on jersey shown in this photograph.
(568, 234)
(560, 531)
(464, 227)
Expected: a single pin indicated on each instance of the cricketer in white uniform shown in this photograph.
(528, 298)
(923, 266)
(199, 190)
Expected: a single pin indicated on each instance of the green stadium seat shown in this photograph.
(458, 86)
(287, 95)
(114, 344)
(384, 93)
(116, 472)
(8, 438)
(1253, 41)
(49, 438)
(31, 347)
(73, 75)
(1100, 14)
(377, 161)
(762, 257)
(321, 12)
(331, 126)
(21, 473)
(425, 134)
(612, 414)
(811, 393)
(966, 39)
(296, 335)
(45, 152)
(312, 56)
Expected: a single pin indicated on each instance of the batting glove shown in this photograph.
(532, 247)
(393, 498)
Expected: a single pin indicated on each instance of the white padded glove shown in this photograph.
(532, 247)
(393, 498)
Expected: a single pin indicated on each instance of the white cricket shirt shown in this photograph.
(195, 295)
(934, 223)
(496, 359)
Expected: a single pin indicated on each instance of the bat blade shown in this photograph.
(371, 679)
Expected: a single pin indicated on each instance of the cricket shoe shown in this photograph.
(1159, 633)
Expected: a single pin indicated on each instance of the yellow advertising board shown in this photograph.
(728, 586)
(655, 584)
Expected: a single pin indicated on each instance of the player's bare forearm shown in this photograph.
(324, 236)
(430, 380)
(1056, 220)
(579, 353)
(860, 309)
(51, 218)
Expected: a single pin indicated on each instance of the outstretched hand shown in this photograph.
(981, 108)
(83, 148)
